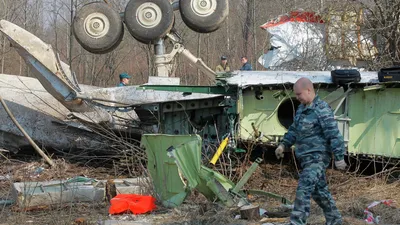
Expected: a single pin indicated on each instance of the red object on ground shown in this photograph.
(137, 204)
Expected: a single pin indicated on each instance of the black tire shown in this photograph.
(148, 32)
(98, 41)
(116, 44)
(214, 14)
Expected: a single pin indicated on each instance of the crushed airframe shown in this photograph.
(255, 106)
(55, 109)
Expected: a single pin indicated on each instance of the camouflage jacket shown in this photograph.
(221, 68)
(315, 130)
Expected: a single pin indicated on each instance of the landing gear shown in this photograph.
(149, 20)
(204, 16)
(98, 28)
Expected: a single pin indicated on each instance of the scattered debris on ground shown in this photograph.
(352, 192)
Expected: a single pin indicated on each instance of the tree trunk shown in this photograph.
(71, 34)
(255, 52)
(228, 39)
(3, 53)
(198, 56)
(25, 16)
(247, 25)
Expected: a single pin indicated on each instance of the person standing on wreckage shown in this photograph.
(316, 136)
(123, 80)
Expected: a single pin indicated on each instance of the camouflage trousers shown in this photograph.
(312, 182)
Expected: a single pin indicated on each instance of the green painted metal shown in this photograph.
(375, 122)
(225, 90)
(163, 170)
(246, 176)
(172, 158)
(263, 114)
(184, 152)
(211, 184)
(371, 125)
(187, 157)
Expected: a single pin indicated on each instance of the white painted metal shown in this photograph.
(41, 115)
(96, 25)
(203, 8)
(148, 15)
(249, 78)
(30, 194)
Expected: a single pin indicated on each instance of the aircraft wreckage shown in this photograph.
(54, 108)
(243, 107)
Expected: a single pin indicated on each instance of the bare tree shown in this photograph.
(239, 35)
(382, 19)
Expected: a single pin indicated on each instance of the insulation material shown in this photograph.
(307, 37)
(296, 35)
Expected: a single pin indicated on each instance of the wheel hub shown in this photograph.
(204, 8)
(97, 25)
(148, 15)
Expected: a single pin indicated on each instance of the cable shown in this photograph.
(295, 163)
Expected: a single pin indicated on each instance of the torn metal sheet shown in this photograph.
(41, 115)
(57, 79)
(112, 106)
(78, 189)
(176, 176)
(249, 78)
(169, 186)
(54, 75)
(131, 95)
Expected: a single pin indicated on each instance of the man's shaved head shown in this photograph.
(304, 90)
(304, 83)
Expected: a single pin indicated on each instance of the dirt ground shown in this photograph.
(352, 192)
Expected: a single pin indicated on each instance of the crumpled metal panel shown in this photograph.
(171, 159)
(163, 171)
(41, 115)
(131, 95)
(77, 189)
(245, 79)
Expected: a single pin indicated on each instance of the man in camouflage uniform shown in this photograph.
(316, 136)
(223, 67)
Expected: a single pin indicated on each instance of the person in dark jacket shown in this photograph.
(245, 64)
(123, 80)
(316, 136)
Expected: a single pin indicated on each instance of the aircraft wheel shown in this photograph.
(204, 16)
(98, 28)
(149, 20)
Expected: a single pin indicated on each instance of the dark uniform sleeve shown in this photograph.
(331, 131)
(290, 137)
(248, 67)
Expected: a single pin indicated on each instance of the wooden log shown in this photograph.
(250, 212)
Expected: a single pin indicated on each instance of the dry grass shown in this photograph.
(353, 194)
(25, 171)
